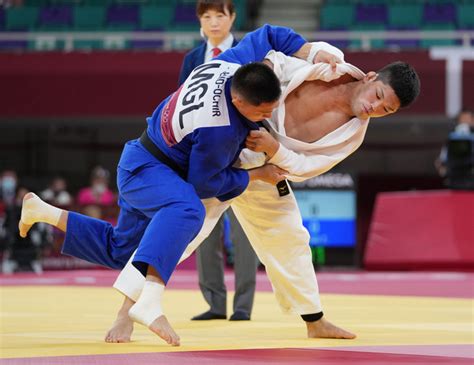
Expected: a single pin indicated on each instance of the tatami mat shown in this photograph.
(41, 321)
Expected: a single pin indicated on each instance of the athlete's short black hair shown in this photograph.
(403, 79)
(256, 83)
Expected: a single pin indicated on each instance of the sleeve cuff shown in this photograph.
(237, 191)
(323, 46)
(249, 159)
(279, 156)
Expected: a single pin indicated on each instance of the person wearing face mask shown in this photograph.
(216, 18)
(8, 184)
(23, 253)
(97, 199)
(98, 193)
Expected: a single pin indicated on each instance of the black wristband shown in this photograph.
(312, 317)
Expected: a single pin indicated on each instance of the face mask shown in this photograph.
(8, 183)
(99, 188)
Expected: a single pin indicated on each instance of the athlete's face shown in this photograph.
(374, 99)
(252, 112)
(216, 24)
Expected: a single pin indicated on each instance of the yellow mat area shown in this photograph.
(57, 321)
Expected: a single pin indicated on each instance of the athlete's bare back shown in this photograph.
(327, 107)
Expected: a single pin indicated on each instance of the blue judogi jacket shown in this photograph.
(199, 128)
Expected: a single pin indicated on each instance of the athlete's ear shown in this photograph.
(370, 76)
(237, 100)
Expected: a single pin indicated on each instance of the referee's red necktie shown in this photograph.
(216, 52)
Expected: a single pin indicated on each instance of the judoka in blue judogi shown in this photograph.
(186, 154)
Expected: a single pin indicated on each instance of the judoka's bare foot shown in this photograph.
(325, 329)
(121, 331)
(162, 328)
(35, 210)
(147, 309)
(27, 214)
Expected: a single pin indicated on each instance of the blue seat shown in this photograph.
(339, 16)
(123, 16)
(241, 10)
(89, 17)
(185, 13)
(156, 17)
(439, 13)
(13, 45)
(465, 18)
(21, 18)
(371, 14)
(10, 45)
(55, 17)
(405, 16)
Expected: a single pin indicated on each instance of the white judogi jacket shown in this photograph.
(305, 160)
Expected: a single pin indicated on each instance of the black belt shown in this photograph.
(160, 156)
(151, 147)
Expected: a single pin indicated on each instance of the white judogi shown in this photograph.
(273, 224)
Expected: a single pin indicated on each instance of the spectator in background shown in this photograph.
(216, 18)
(23, 253)
(8, 184)
(464, 125)
(465, 122)
(95, 199)
(56, 193)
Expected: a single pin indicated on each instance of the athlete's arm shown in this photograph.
(210, 164)
(255, 45)
(302, 166)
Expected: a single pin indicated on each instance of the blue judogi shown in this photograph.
(200, 130)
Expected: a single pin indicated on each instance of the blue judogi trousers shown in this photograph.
(160, 214)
